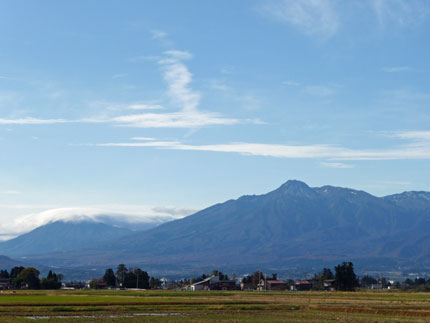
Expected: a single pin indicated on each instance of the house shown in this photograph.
(224, 285)
(272, 285)
(204, 284)
(164, 282)
(5, 283)
(303, 285)
(377, 286)
(329, 284)
(246, 286)
(214, 283)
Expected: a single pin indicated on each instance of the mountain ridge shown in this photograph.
(61, 235)
(291, 224)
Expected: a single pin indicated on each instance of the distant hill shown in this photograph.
(7, 263)
(290, 226)
(61, 236)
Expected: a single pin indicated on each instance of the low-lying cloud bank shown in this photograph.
(135, 217)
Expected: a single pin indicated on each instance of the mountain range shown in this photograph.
(61, 236)
(294, 226)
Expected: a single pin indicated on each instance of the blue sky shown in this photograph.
(131, 105)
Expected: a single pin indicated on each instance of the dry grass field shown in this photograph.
(167, 306)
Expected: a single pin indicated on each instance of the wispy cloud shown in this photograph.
(186, 119)
(3, 77)
(397, 183)
(32, 121)
(400, 12)
(337, 165)
(119, 76)
(402, 96)
(319, 90)
(143, 138)
(227, 70)
(421, 136)
(112, 214)
(184, 98)
(312, 17)
(144, 107)
(396, 69)
(159, 34)
(10, 192)
(419, 148)
(324, 18)
(179, 79)
(290, 83)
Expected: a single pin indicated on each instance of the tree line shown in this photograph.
(125, 277)
(28, 278)
(342, 278)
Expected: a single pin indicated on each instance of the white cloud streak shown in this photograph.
(112, 214)
(178, 78)
(400, 12)
(397, 69)
(186, 99)
(312, 17)
(32, 121)
(145, 107)
(143, 138)
(159, 34)
(421, 136)
(337, 165)
(10, 192)
(418, 149)
(318, 90)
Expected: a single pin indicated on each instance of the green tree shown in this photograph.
(255, 280)
(136, 278)
(109, 278)
(14, 272)
(121, 272)
(345, 278)
(51, 281)
(4, 274)
(325, 274)
(367, 281)
(29, 277)
(154, 283)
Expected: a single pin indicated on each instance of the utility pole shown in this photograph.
(265, 282)
(259, 278)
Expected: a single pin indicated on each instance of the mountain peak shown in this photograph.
(295, 187)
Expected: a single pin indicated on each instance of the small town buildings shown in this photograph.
(329, 284)
(376, 286)
(272, 285)
(204, 284)
(214, 283)
(5, 283)
(303, 285)
(246, 286)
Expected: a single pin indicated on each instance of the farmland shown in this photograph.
(141, 306)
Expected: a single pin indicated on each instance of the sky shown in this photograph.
(162, 108)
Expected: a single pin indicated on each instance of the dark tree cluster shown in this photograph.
(418, 284)
(319, 279)
(28, 278)
(345, 278)
(123, 278)
(52, 281)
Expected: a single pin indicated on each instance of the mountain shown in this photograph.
(7, 263)
(290, 226)
(61, 236)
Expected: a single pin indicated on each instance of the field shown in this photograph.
(166, 306)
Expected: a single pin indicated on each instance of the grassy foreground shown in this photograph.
(166, 306)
